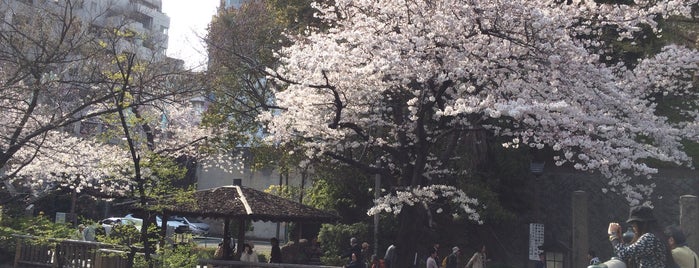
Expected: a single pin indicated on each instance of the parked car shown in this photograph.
(108, 223)
(158, 222)
(197, 227)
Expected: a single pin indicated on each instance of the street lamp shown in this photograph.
(537, 168)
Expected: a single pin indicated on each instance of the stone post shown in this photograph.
(689, 219)
(579, 230)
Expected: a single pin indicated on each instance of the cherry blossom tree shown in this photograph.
(86, 107)
(60, 75)
(406, 81)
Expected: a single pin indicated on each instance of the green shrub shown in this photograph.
(183, 255)
(262, 257)
(334, 239)
(39, 226)
(205, 253)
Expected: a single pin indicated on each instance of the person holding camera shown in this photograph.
(647, 247)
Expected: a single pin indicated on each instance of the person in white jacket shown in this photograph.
(478, 260)
(249, 254)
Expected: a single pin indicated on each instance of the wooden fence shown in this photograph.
(33, 252)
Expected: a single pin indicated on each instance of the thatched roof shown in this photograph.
(237, 202)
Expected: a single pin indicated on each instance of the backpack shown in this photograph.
(445, 261)
(451, 259)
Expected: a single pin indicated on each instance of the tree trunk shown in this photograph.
(411, 231)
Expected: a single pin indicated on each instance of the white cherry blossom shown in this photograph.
(400, 77)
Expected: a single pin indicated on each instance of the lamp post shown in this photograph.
(554, 253)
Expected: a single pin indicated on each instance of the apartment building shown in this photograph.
(144, 18)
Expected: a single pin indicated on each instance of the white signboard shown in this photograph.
(536, 239)
(60, 217)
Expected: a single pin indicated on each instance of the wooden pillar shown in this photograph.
(689, 219)
(580, 230)
(18, 251)
(241, 236)
(163, 231)
(226, 239)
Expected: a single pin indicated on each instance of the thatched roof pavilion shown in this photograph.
(243, 203)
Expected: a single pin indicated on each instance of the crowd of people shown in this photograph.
(359, 256)
(248, 253)
(648, 246)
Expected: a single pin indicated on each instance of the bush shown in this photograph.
(205, 253)
(180, 256)
(334, 239)
(39, 226)
(262, 257)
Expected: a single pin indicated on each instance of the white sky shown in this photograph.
(188, 22)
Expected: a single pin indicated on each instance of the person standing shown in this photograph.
(541, 263)
(249, 254)
(365, 253)
(390, 256)
(89, 233)
(453, 258)
(79, 233)
(436, 248)
(376, 262)
(592, 256)
(478, 259)
(683, 256)
(276, 254)
(354, 249)
(355, 262)
(647, 248)
(431, 262)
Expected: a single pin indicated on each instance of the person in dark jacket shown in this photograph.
(276, 255)
(355, 262)
(355, 248)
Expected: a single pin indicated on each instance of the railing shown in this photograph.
(33, 252)
(234, 264)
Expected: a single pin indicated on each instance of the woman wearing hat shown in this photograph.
(647, 247)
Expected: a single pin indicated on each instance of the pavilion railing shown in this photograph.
(36, 252)
(209, 263)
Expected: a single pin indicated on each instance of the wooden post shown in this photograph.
(241, 236)
(580, 230)
(163, 230)
(689, 219)
(226, 238)
(18, 251)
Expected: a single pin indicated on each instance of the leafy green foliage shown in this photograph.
(42, 226)
(343, 189)
(39, 226)
(180, 256)
(241, 43)
(295, 16)
(285, 191)
(335, 240)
